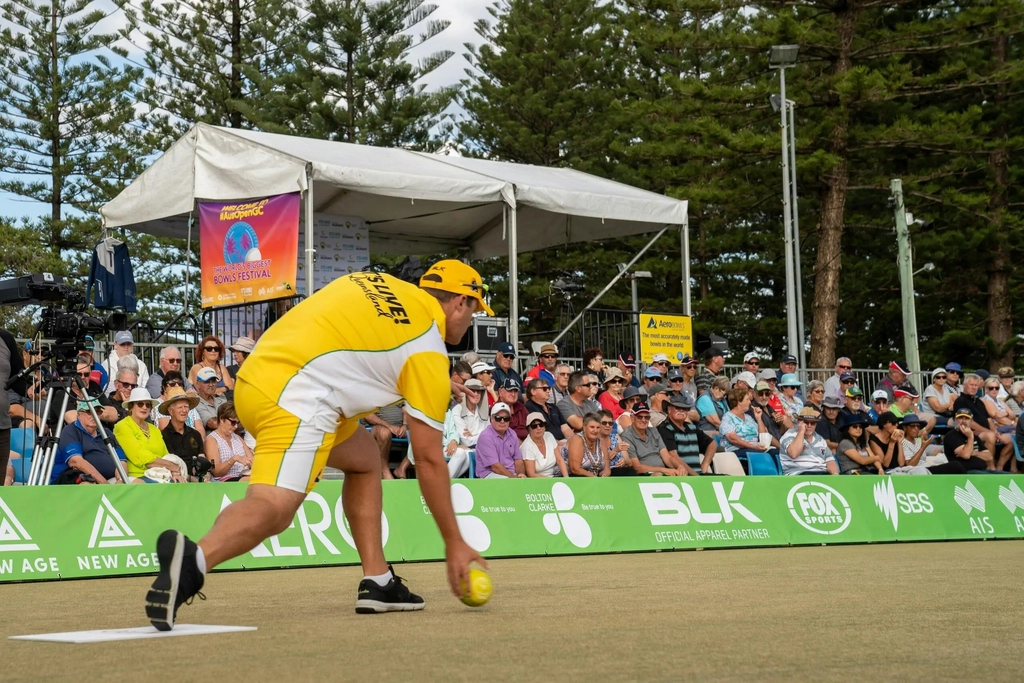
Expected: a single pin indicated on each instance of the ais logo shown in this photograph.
(819, 508)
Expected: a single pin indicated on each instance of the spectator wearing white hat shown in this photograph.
(938, 396)
(180, 438)
(142, 442)
(484, 372)
(498, 455)
(752, 362)
(124, 345)
(240, 350)
(662, 364)
(542, 456)
(614, 385)
(209, 399)
(744, 380)
(879, 404)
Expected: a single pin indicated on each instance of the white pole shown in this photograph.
(684, 242)
(802, 356)
(513, 280)
(787, 219)
(310, 245)
(636, 316)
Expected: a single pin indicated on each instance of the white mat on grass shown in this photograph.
(106, 634)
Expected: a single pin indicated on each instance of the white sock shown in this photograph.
(201, 560)
(381, 579)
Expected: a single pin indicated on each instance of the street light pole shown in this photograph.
(802, 356)
(906, 270)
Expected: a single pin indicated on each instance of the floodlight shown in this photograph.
(782, 55)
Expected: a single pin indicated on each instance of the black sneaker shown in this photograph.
(179, 579)
(394, 597)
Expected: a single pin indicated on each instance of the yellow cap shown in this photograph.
(455, 276)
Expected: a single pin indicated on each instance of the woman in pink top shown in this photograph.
(614, 383)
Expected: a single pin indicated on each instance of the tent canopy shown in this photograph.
(414, 203)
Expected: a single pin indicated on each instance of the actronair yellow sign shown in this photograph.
(668, 334)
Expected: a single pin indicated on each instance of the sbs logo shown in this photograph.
(575, 527)
(891, 503)
(819, 508)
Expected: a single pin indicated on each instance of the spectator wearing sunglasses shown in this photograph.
(508, 392)
(503, 361)
(123, 385)
(537, 392)
(210, 353)
(879, 405)
(209, 400)
(498, 455)
(173, 384)
(834, 385)
(579, 401)
(775, 422)
(662, 364)
(547, 362)
(90, 377)
(752, 362)
(170, 361)
(231, 458)
(647, 449)
(560, 387)
(939, 397)
(614, 385)
(542, 456)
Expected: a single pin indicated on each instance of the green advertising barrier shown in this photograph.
(92, 531)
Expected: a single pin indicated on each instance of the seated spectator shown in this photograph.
(675, 380)
(82, 457)
(181, 439)
(626, 365)
(586, 456)
(579, 402)
(828, 427)
(170, 361)
(981, 425)
(123, 386)
(231, 458)
(834, 385)
(124, 345)
(210, 355)
(905, 399)
(537, 392)
(615, 450)
(1002, 417)
(887, 445)
(712, 405)
(508, 393)
(387, 423)
(740, 430)
(879, 405)
(774, 422)
(899, 371)
(647, 450)
(629, 398)
(593, 362)
(803, 450)
(662, 364)
(172, 384)
(684, 441)
(1005, 382)
(560, 388)
(652, 376)
(547, 361)
(787, 366)
(210, 401)
(846, 380)
(752, 363)
(1015, 401)
(503, 369)
(914, 448)
(107, 413)
(542, 456)
(744, 380)
(772, 378)
(853, 403)
(953, 373)
(938, 397)
(688, 366)
(464, 424)
(815, 395)
(485, 374)
(853, 454)
(962, 446)
(714, 361)
(142, 442)
(240, 351)
(614, 386)
(657, 398)
(498, 455)
(789, 385)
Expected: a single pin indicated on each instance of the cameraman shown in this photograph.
(107, 412)
(10, 364)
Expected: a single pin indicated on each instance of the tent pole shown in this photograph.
(310, 246)
(684, 242)
(513, 279)
(611, 283)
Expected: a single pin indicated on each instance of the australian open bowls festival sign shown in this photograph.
(249, 250)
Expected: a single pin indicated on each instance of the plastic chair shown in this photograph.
(23, 440)
(760, 463)
(1016, 450)
(472, 464)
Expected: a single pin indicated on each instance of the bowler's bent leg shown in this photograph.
(362, 498)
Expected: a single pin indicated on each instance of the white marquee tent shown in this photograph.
(414, 203)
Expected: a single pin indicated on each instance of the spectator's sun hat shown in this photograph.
(900, 366)
(768, 374)
(532, 417)
(83, 406)
(656, 389)
(652, 373)
(953, 367)
(177, 394)
(1006, 372)
(547, 349)
(789, 358)
(964, 412)
(832, 402)
(857, 418)
(626, 358)
(207, 375)
(674, 375)
(661, 358)
(500, 407)
(745, 376)
(790, 380)
(474, 384)
(506, 349)
(938, 371)
(808, 414)
(905, 390)
(481, 366)
(854, 392)
(879, 395)
(685, 359)
(847, 377)
(751, 355)
(683, 399)
(454, 276)
(713, 352)
(511, 384)
(243, 345)
(982, 373)
(612, 373)
(762, 386)
(641, 408)
(629, 393)
(140, 395)
(124, 337)
(912, 419)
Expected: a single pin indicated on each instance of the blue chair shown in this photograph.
(1016, 451)
(760, 463)
(472, 464)
(23, 441)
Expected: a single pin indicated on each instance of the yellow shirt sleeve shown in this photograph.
(426, 387)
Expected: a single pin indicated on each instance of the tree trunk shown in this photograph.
(56, 173)
(1000, 321)
(831, 221)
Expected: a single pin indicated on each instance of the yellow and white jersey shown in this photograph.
(364, 341)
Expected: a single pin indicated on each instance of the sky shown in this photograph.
(462, 14)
